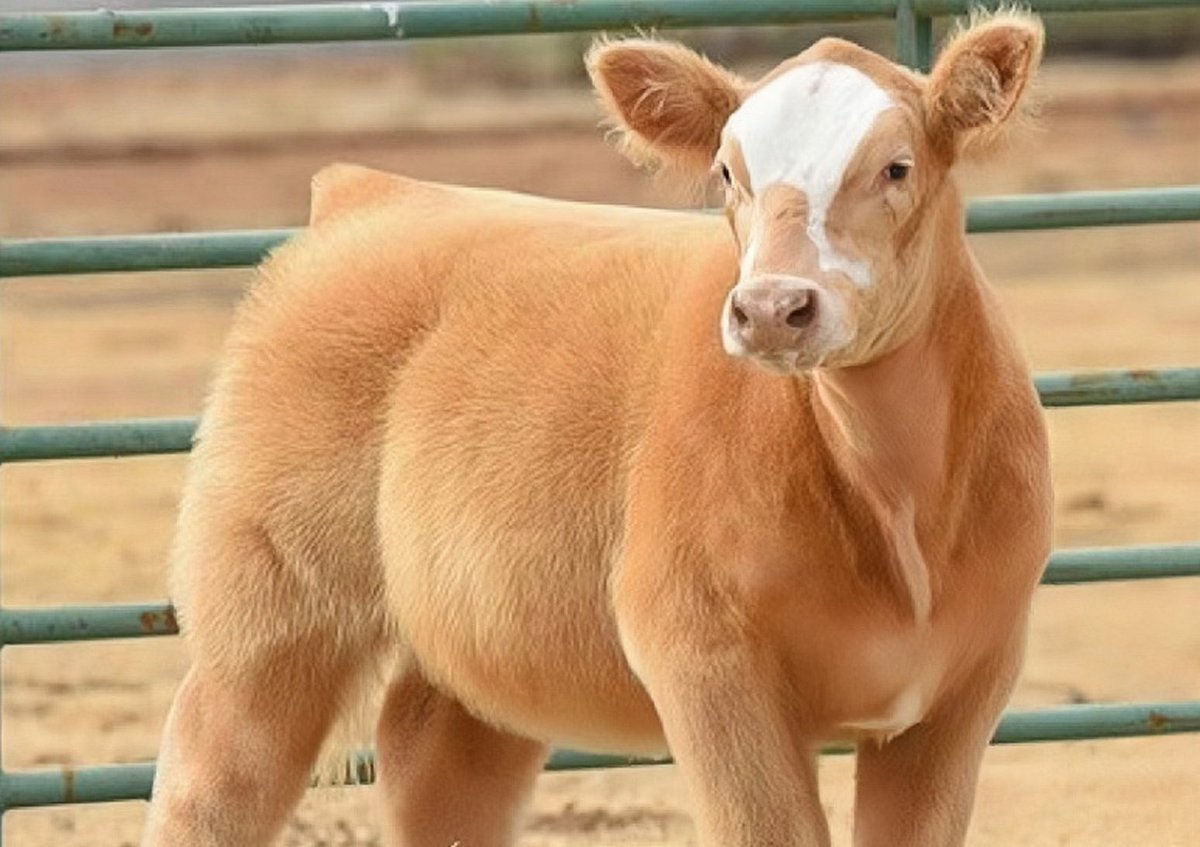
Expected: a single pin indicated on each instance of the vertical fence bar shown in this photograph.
(914, 36)
(3, 777)
(924, 44)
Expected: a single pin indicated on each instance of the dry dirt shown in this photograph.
(176, 148)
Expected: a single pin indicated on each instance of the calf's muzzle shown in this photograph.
(771, 317)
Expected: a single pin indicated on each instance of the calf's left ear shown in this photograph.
(670, 103)
(980, 80)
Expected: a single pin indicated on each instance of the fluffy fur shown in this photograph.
(492, 444)
(976, 97)
(667, 104)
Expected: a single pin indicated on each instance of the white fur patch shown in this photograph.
(905, 711)
(803, 129)
(730, 342)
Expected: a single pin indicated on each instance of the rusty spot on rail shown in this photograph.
(159, 622)
(68, 777)
(57, 27)
(142, 30)
(1104, 380)
(1158, 722)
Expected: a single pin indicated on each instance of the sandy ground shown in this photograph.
(234, 148)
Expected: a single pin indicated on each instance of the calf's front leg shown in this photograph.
(736, 738)
(918, 789)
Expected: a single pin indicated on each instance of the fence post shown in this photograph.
(3, 637)
(914, 36)
(3, 776)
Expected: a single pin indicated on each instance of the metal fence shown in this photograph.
(913, 19)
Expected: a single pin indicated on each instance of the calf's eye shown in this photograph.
(897, 171)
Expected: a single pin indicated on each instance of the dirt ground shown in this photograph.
(169, 148)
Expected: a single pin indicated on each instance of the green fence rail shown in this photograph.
(107, 30)
(90, 623)
(110, 783)
(174, 435)
(42, 256)
(96, 440)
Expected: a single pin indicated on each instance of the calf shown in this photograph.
(628, 480)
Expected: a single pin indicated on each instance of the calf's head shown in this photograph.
(832, 164)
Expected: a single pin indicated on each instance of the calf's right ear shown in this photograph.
(669, 103)
(980, 83)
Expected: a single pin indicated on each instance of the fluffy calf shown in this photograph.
(628, 480)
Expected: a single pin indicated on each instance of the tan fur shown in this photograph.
(977, 91)
(493, 443)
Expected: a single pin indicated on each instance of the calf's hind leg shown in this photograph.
(446, 776)
(237, 751)
(270, 670)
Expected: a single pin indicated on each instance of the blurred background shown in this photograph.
(180, 140)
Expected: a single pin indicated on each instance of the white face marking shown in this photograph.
(750, 259)
(802, 129)
(729, 341)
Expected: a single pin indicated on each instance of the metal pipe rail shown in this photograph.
(96, 440)
(297, 24)
(110, 783)
(300, 24)
(43, 256)
(90, 623)
(174, 435)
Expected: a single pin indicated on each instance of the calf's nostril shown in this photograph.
(739, 316)
(802, 314)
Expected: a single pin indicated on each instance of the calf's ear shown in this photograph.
(978, 87)
(669, 103)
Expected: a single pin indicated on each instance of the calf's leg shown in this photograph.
(238, 749)
(446, 776)
(918, 789)
(738, 739)
(274, 654)
(752, 781)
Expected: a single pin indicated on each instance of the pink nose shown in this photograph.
(770, 318)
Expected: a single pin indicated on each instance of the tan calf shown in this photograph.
(628, 480)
